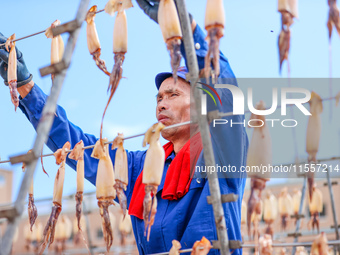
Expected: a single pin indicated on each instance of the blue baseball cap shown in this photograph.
(181, 72)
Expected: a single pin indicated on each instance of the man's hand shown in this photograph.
(23, 75)
(149, 9)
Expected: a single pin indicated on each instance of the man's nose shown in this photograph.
(162, 105)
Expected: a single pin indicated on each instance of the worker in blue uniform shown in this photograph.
(186, 217)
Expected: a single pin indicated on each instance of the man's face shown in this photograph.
(173, 106)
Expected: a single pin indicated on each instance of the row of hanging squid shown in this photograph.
(285, 206)
(111, 181)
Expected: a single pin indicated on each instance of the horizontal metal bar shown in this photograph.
(297, 216)
(332, 183)
(225, 198)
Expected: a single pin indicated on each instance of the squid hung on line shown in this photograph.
(315, 208)
(93, 43)
(49, 231)
(201, 247)
(214, 24)
(32, 209)
(121, 171)
(125, 227)
(265, 243)
(113, 6)
(119, 50)
(63, 232)
(288, 10)
(172, 34)
(78, 155)
(105, 191)
(259, 153)
(57, 44)
(320, 245)
(285, 207)
(152, 173)
(296, 203)
(313, 135)
(300, 250)
(12, 70)
(270, 212)
(333, 18)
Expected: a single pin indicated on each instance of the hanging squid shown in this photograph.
(296, 203)
(320, 245)
(104, 188)
(12, 70)
(93, 43)
(152, 173)
(288, 10)
(201, 247)
(214, 24)
(269, 212)
(119, 50)
(266, 247)
(121, 171)
(78, 155)
(113, 6)
(300, 250)
(60, 156)
(313, 135)
(285, 207)
(125, 228)
(63, 232)
(32, 209)
(333, 18)
(259, 153)
(315, 208)
(171, 30)
(57, 44)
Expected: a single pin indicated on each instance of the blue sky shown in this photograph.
(250, 43)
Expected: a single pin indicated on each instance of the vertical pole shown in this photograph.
(204, 127)
(300, 210)
(43, 131)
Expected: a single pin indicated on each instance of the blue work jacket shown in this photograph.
(189, 218)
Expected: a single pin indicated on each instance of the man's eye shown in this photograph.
(174, 95)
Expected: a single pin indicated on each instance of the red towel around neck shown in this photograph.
(178, 176)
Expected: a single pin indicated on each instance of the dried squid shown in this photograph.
(285, 207)
(125, 227)
(288, 10)
(201, 247)
(300, 250)
(320, 245)
(104, 188)
(296, 203)
(93, 43)
(78, 155)
(113, 6)
(259, 154)
(32, 209)
(266, 247)
(121, 171)
(12, 70)
(57, 44)
(333, 18)
(315, 208)
(313, 135)
(214, 24)
(60, 156)
(169, 23)
(119, 50)
(152, 173)
(269, 211)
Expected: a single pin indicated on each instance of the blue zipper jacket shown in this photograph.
(187, 219)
